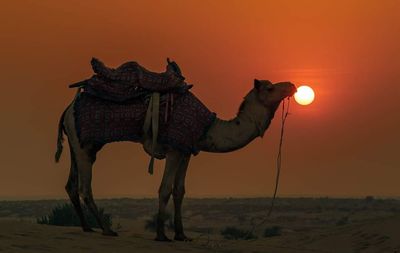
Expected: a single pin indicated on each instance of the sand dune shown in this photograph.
(380, 236)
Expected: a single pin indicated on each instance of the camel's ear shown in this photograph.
(257, 84)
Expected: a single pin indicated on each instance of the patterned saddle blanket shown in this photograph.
(183, 120)
(131, 80)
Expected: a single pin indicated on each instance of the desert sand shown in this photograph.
(371, 230)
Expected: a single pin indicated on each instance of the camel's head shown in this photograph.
(271, 94)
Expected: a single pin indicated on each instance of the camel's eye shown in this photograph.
(270, 88)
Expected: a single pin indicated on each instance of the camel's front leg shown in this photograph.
(174, 159)
(178, 193)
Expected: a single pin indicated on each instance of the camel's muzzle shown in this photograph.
(291, 89)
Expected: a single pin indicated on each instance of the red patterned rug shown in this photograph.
(101, 121)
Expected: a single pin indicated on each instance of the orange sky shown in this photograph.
(344, 144)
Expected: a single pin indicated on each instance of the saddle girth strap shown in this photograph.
(152, 119)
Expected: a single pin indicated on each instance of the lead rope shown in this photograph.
(284, 116)
(279, 157)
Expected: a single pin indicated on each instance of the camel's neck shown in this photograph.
(252, 121)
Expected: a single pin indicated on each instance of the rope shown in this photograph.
(284, 115)
(279, 157)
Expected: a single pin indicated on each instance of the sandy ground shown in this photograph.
(23, 235)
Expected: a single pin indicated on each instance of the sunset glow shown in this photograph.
(348, 52)
(304, 95)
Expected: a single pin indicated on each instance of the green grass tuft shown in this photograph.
(65, 215)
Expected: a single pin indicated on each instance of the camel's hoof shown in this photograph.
(182, 238)
(88, 230)
(162, 238)
(110, 233)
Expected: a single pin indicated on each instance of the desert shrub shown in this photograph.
(151, 224)
(233, 233)
(272, 231)
(342, 221)
(65, 215)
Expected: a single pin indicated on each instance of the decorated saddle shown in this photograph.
(131, 103)
(131, 80)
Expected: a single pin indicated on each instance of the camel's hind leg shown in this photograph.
(84, 165)
(72, 188)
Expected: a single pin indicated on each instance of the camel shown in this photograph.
(252, 120)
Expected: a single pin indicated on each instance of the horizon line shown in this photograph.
(337, 196)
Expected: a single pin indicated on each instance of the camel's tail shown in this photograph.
(60, 137)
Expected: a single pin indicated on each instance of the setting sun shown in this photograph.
(304, 95)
